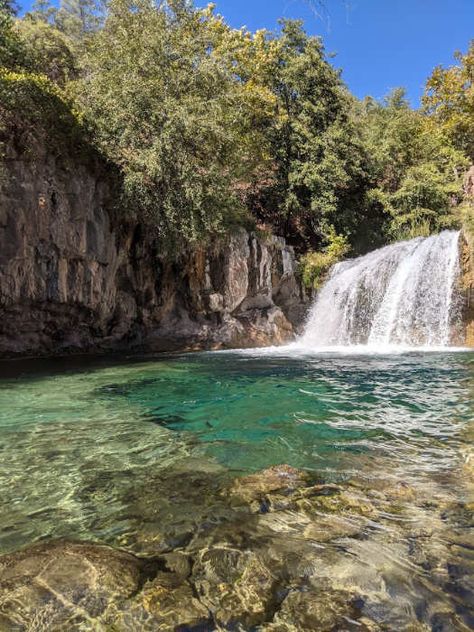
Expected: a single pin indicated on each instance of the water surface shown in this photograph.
(135, 452)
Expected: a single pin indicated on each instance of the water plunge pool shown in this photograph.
(144, 455)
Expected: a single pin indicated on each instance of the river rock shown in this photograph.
(234, 585)
(321, 610)
(171, 507)
(161, 608)
(257, 489)
(328, 528)
(65, 585)
(335, 499)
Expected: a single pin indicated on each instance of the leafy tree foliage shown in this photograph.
(47, 50)
(43, 11)
(417, 175)
(315, 150)
(315, 265)
(44, 110)
(209, 126)
(9, 7)
(11, 51)
(35, 60)
(166, 110)
(78, 18)
(449, 101)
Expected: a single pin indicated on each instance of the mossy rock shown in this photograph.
(333, 499)
(282, 479)
(162, 608)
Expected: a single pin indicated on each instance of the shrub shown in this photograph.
(31, 105)
(316, 265)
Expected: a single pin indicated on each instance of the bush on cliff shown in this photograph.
(32, 108)
(316, 265)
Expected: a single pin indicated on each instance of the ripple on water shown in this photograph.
(142, 455)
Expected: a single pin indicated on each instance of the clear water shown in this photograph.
(116, 425)
(136, 452)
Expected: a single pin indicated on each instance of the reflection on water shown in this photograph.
(142, 455)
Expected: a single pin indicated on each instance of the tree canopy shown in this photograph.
(449, 101)
(210, 126)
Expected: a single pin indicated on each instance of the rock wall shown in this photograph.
(467, 289)
(467, 260)
(72, 279)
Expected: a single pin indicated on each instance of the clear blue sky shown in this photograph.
(379, 44)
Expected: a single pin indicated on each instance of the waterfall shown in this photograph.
(404, 294)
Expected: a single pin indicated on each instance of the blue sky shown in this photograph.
(379, 44)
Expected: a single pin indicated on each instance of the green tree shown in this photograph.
(42, 11)
(12, 54)
(8, 7)
(316, 153)
(209, 125)
(164, 110)
(449, 101)
(49, 51)
(416, 173)
(78, 18)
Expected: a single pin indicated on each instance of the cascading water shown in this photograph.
(404, 294)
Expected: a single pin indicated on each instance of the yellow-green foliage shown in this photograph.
(449, 101)
(47, 51)
(315, 265)
(417, 172)
(31, 103)
(208, 127)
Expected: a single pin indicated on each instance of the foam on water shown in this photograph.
(299, 348)
(395, 299)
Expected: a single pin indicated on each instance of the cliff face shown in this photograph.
(467, 289)
(72, 280)
(467, 259)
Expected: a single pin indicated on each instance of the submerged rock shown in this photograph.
(235, 586)
(171, 507)
(273, 479)
(64, 585)
(162, 608)
(79, 586)
(272, 552)
(333, 499)
(321, 610)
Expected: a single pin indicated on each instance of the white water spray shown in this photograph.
(402, 295)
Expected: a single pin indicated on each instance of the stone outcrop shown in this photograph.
(467, 289)
(73, 279)
(469, 183)
(467, 260)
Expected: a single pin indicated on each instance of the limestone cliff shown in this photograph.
(74, 279)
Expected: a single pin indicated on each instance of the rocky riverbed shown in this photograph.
(278, 550)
